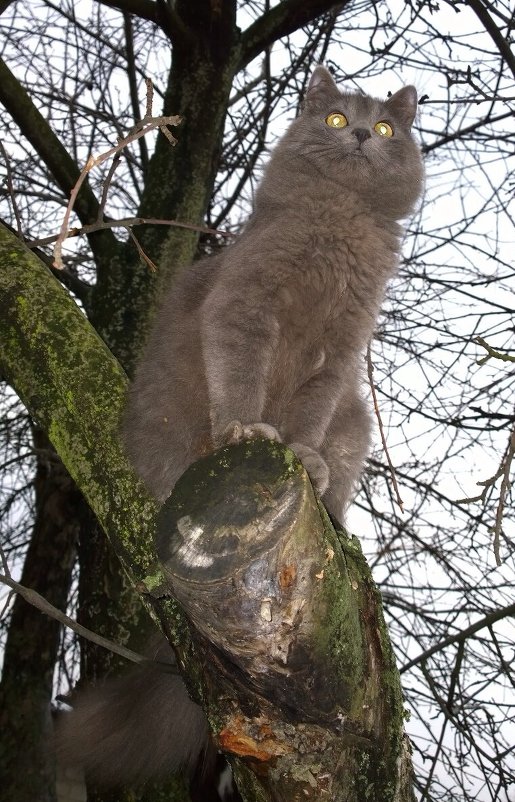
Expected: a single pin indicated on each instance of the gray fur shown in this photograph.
(272, 331)
(266, 338)
(139, 726)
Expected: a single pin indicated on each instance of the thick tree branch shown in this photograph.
(4, 4)
(283, 19)
(298, 670)
(145, 9)
(80, 288)
(74, 388)
(161, 13)
(492, 28)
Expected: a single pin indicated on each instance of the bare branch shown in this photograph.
(10, 189)
(370, 371)
(143, 256)
(129, 222)
(43, 139)
(498, 37)
(487, 621)
(141, 129)
(279, 21)
(33, 597)
(492, 353)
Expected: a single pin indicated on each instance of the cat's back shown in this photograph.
(187, 291)
(167, 400)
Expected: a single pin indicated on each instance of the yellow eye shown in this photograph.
(383, 128)
(336, 120)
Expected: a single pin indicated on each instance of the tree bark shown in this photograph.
(74, 388)
(27, 769)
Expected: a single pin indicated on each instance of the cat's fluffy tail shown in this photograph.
(138, 727)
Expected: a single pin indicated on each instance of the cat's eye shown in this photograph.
(336, 120)
(383, 128)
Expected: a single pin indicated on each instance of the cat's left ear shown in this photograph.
(321, 86)
(321, 79)
(404, 105)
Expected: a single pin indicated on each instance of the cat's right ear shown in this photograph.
(404, 104)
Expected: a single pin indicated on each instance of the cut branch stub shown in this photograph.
(247, 561)
(298, 671)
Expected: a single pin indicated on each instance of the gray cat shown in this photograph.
(267, 339)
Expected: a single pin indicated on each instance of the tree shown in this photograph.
(213, 82)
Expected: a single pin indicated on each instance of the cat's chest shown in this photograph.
(328, 253)
(326, 280)
(309, 310)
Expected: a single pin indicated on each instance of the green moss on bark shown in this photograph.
(74, 388)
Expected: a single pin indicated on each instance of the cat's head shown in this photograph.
(361, 143)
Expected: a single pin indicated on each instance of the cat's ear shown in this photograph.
(321, 79)
(321, 83)
(404, 105)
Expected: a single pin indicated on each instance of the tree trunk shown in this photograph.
(178, 183)
(27, 769)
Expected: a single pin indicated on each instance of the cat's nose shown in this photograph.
(361, 134)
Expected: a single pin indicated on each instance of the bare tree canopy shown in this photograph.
(82, 79)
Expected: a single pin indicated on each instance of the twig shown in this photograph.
(491, 352)
(488, 620)
(504, 468)
(133, 84)
(33, 597)
(150, 97)
(106, 184)
(370, 371)
(5, 566)
(504, 471)
(58, 259)
(505, 485)
(141, 128)
(143, 256)
(127, 222)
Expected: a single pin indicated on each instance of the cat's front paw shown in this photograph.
(314, 464)
(237, 431)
